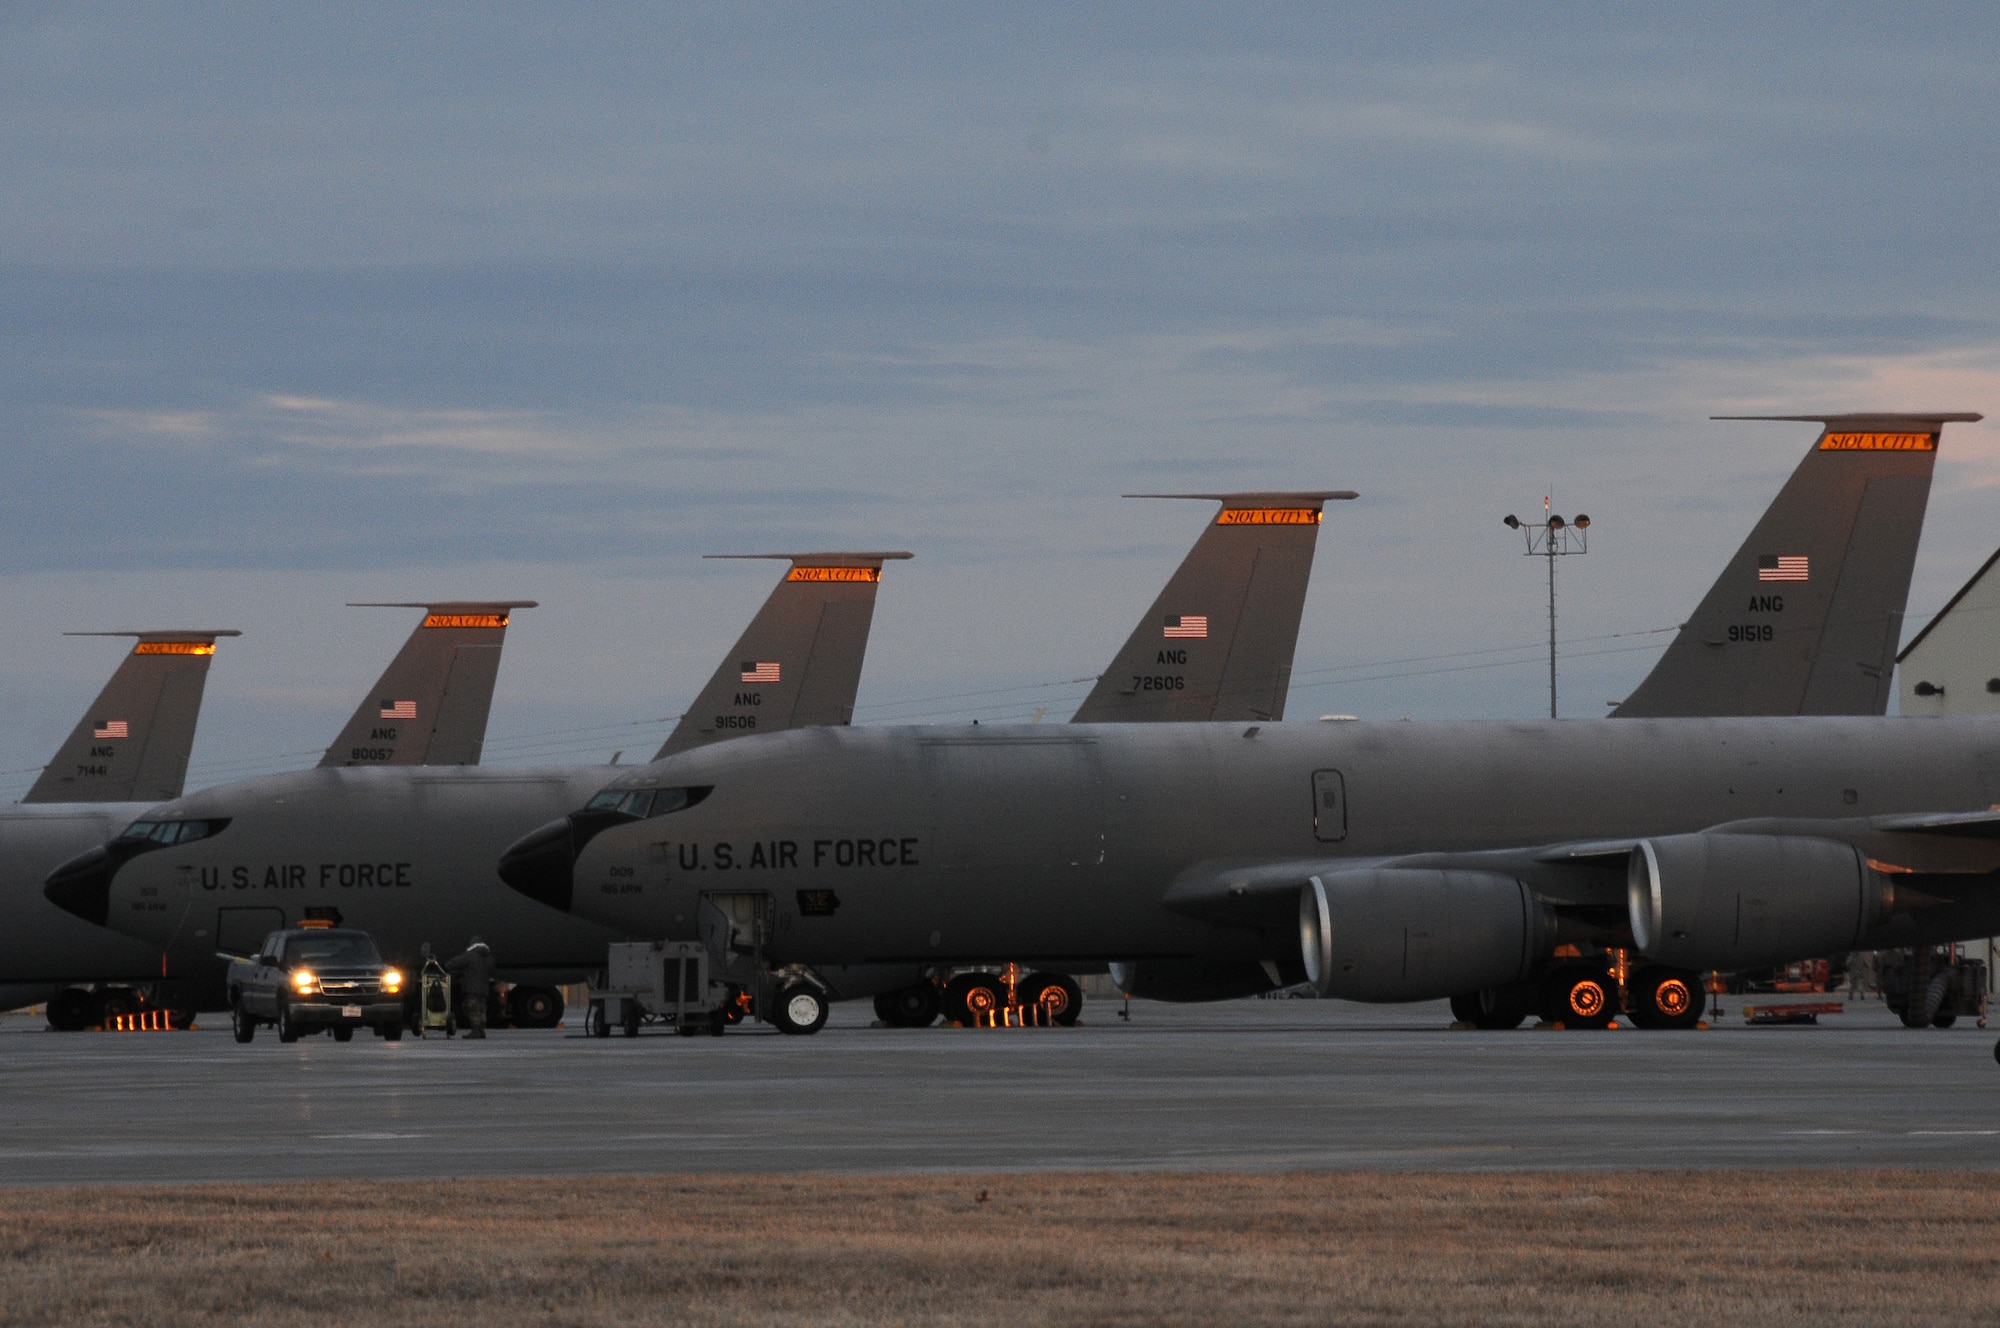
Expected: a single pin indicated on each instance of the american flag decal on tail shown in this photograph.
(398, 709)
(111, 728)
(1187, 627)
(1782, 567)
(760, 671)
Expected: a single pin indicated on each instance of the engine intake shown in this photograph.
(1416, 934)
(1720, 901)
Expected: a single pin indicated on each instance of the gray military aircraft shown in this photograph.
(128, 751)
(431, 703)
(1386, 863)
(407, 853)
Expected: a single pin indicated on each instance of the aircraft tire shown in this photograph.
(240, 1023)
(343, 1034)
(1666, 998)
(1057, 992)
(971, 994)
(1495, 1009)
(535, 1007)
(69, 1010)
(911, 1007)
(288, 1030)
(392, 1032)
(116, 1004)
(800, 1009)
(1579, 997)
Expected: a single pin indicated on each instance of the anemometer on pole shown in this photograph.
(1552, 538)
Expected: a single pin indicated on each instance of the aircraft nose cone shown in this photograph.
(541, 864)
(83, 885)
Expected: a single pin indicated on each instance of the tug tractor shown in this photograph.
(1931, 986)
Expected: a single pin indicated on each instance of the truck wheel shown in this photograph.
(800, 1009)
(242, 1024)
(288, 1028)
(1055, 993)
(392, 1032)
(1944, 1020)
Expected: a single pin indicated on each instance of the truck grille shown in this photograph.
(350, 986)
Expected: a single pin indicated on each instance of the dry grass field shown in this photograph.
(1648, 1250)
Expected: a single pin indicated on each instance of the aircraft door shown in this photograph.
(1329, 806)
(239, 931)
(737, 929)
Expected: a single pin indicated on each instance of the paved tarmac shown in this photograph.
(1265, 1085)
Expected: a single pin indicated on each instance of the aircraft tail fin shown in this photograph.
(1805, 618)
(798, 663)
(133, 743)
(430, 705)
(1217, 644)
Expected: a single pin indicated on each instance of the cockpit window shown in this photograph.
(332, 950)
(162, 833)
(641, 803)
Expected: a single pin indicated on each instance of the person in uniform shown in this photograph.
(474, 972)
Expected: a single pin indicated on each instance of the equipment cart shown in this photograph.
(661, 982)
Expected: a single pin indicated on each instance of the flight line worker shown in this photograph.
(474, 970)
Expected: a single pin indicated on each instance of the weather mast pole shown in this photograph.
(1552, 538)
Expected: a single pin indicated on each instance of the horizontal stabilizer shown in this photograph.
(798, 663)
(431, 704)
(133, 743)
(1217, 644)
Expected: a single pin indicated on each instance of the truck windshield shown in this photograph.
(332, 951)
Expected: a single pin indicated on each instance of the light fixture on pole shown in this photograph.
(1552, 538)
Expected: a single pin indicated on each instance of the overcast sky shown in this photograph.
(309, 304)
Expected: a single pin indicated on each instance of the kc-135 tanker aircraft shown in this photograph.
(411, 855)
(1390, 862)
(999, 823)
(131, 750)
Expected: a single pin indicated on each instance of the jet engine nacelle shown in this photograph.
(1724, 901)
(1417, 934)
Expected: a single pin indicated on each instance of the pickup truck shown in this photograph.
(311, 979)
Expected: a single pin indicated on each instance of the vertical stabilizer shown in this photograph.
(1805, 618)
(133, 743)
(1217, 644)
(431, 703)
(798, 664)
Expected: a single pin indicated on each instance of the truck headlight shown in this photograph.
(303, 981)
(392, 981)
